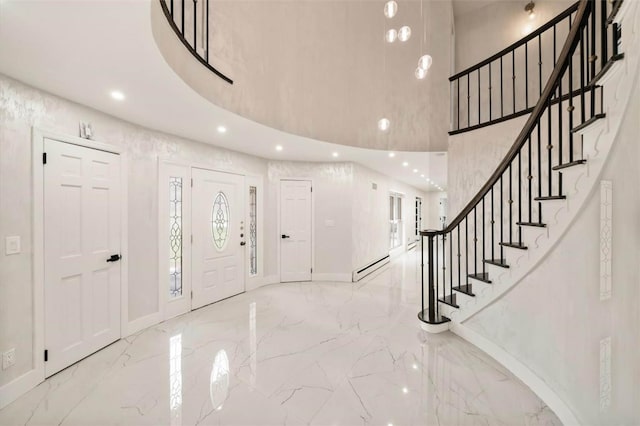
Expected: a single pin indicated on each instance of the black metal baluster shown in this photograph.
(582, 76)
(560, 131)
(459, 266)
(502, 90)
(493, 221)
(539, 171)
(513, 78)
(182, 17)
(519, 192)
(458, 105)
(195, 25)
(466, 245)
(451, 263)
(616, 38)
(479, 99)
(549, 146)
(526, 75)
(501, 215)
(444, 267)
(539, 65)
(490, 94)
(468, 100)
(475, 242)
(604, 46)
(593, 60)
(207, 45)
(510, 201)
(172, 8)
(571, 107)
(530, 179)
(484, 240)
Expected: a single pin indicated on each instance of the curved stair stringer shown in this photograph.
(580, 182)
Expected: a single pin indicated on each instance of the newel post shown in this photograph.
(431, 319)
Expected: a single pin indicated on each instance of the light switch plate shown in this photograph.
(12, 245)
(8, 358)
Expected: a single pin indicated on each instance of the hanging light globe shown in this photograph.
(425, 62)
(404, 34)
(390, 9)
(391, 35)
(384, 124)
(421, 73)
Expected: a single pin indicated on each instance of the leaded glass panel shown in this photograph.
(220, 221)
(253, 230)
(175, 237)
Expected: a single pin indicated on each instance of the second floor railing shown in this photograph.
(191, 20)
(509, 83)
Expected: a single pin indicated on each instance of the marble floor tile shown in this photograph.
(290, 354)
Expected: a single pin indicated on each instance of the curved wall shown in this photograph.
(322, 70)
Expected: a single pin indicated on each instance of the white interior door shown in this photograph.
(295, 227)
(81, 252)
(219, 236)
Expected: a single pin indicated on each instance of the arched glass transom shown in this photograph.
(220, 221)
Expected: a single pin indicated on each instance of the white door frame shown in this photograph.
(313, 221)
(37, 138)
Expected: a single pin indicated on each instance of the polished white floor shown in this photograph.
(308, 353)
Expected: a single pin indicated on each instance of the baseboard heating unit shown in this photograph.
(373, 266)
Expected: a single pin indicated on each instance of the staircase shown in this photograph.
(547, 176)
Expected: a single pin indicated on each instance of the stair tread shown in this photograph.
(465, 289)
(571, 164)
(481, 276)
(588, 122)
(614, 11)
(551, 197)
(536, 224)
(497, 262)
(606, 68)
(449, 300)
(519, 246)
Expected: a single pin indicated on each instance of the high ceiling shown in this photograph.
(83, 50)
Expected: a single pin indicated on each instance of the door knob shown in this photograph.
(285, 236)
(242, 243)
(114, 258)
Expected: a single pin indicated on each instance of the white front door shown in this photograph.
(81, 252)
(295, 227)
(219, 236)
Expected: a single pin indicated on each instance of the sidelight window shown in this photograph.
(175, 236)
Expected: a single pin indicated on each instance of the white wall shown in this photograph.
(22, 107)
(553, 321)
(371, 214)
(332, 191)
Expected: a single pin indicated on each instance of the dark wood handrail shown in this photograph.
(167, 14)
(584, 7)
(518, 43)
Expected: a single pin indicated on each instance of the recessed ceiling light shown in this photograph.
(117, 95)
(335, 154)
(405, 390)
(392, 154)
(421, 176)
(279, 148)
(415, 170)
(222, 129)
(405, 164)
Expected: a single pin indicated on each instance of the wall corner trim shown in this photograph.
(521, 371)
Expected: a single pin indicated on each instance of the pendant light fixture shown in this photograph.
(404, 34)
(390, 9)
(425, 61)
(391, 35)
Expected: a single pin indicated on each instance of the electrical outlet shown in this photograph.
(8, 358)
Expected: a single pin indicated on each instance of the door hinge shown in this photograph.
(46, 355)
(191, 238)
(312, 189)
(312, 270)
(192, 294)
(192, 182)
(44, 158)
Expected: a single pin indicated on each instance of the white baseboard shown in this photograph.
(257, 282)
(19, 386)
(342, 278)
(521, 371)
(142, 323)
